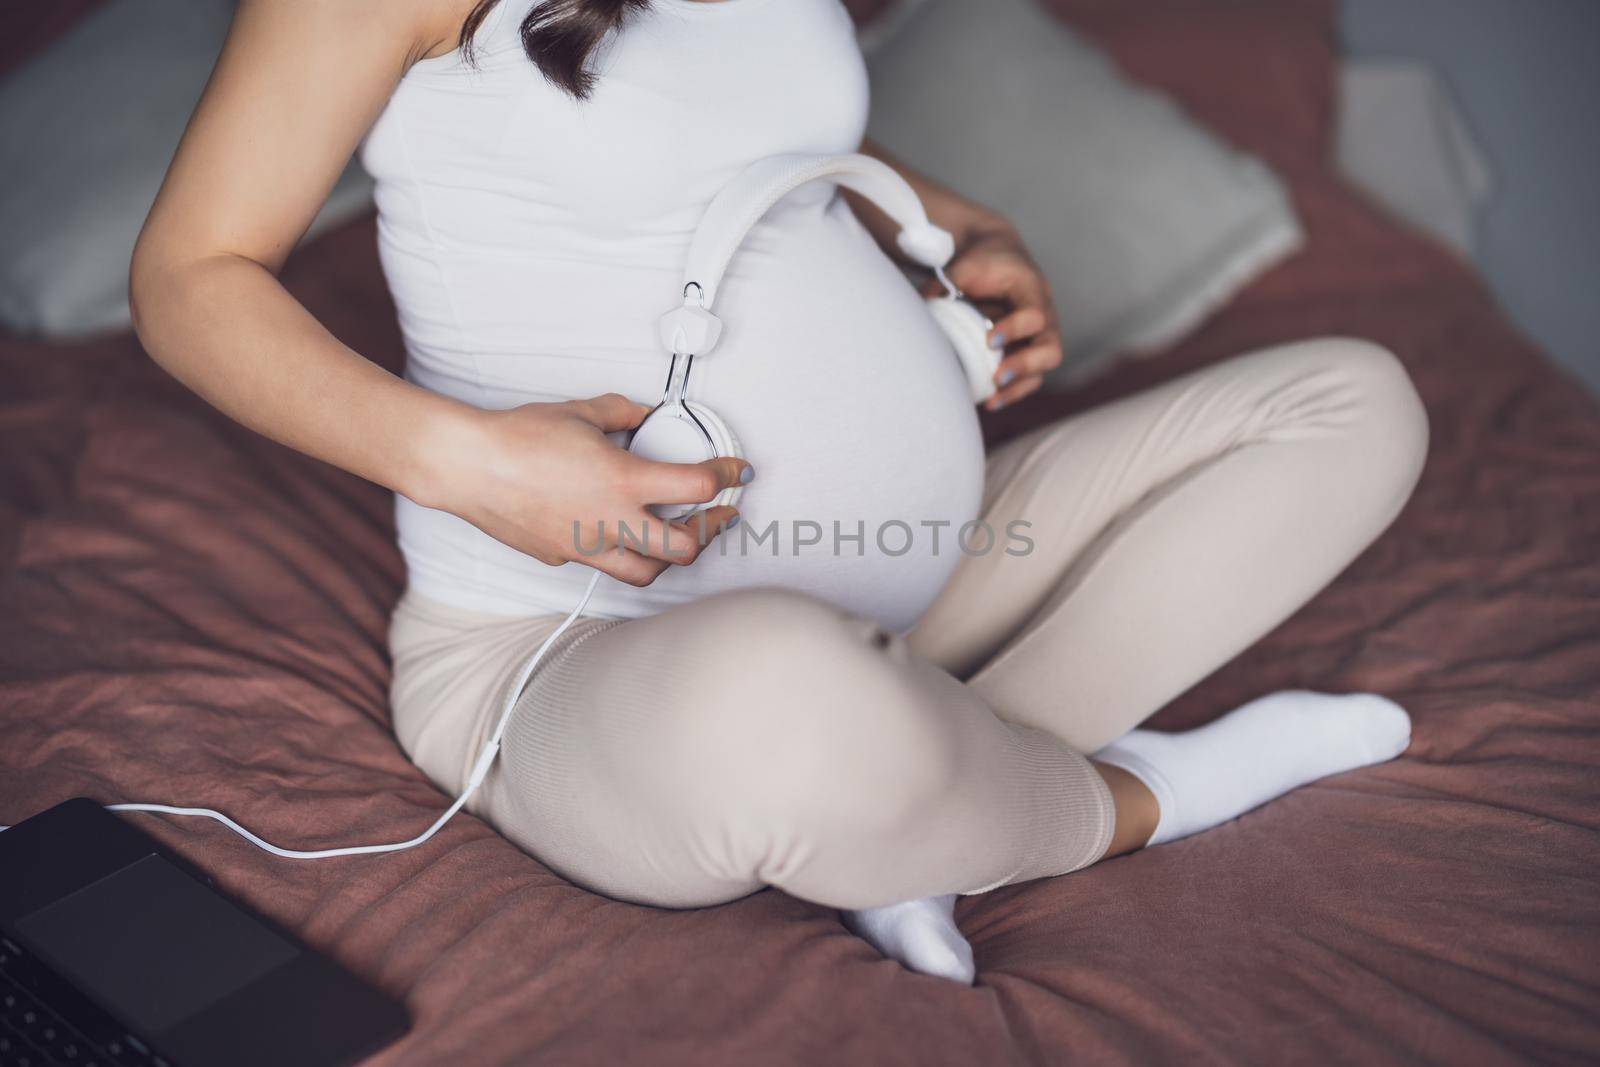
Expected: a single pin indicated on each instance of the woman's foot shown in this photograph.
(1269, 746)
(921, 934)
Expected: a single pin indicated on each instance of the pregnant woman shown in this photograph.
(835, 689)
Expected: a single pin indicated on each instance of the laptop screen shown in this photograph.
(153, 945)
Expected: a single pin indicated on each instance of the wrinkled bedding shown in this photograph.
(189, 613)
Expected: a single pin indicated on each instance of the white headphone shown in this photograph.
(679, 430)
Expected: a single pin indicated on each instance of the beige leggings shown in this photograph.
(763, 737)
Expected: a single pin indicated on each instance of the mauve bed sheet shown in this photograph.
(191, 614)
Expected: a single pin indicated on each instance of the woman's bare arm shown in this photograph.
(293, 91)
(298, 84)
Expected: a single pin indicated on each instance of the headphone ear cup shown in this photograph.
(726, 444)
(968, 331)
(667, 437)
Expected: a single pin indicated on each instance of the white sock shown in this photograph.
(921, 934)
(1269, 746)
(1200, 778)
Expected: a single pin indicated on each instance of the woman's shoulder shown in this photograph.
(439, 23)
(416, 29)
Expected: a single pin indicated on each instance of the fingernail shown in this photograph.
(996, 404)
(1006, 378)
(747, 475)
(997, 340)
(731, 523)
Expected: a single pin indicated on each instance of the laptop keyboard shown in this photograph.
(44, 1021)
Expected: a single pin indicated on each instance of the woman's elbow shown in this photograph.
(153, 291)
(143, 296)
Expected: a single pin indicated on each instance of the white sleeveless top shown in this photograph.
(531, 241)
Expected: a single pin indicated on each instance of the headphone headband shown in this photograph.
(743, 202)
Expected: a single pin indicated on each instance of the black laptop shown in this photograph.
(115, 951)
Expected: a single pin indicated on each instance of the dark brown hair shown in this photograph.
(560, 35)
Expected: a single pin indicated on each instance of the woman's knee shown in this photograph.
(1394, 419)
(817, 715)
(1363, 391)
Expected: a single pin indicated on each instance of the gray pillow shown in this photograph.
(1143, 221)
(87, 129)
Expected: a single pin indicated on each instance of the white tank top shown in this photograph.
(531, 241)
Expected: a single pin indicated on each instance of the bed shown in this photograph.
(192, 614)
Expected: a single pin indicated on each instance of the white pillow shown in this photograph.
(87, 129)
(1143, 221)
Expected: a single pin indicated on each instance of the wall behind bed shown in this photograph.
(1525, 75)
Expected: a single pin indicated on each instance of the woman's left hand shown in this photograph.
(995, 267)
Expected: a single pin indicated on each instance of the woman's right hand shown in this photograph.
(544, 479)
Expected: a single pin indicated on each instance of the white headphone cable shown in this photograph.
(480, 769)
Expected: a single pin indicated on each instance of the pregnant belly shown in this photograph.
(851, 407)
(843, 393)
